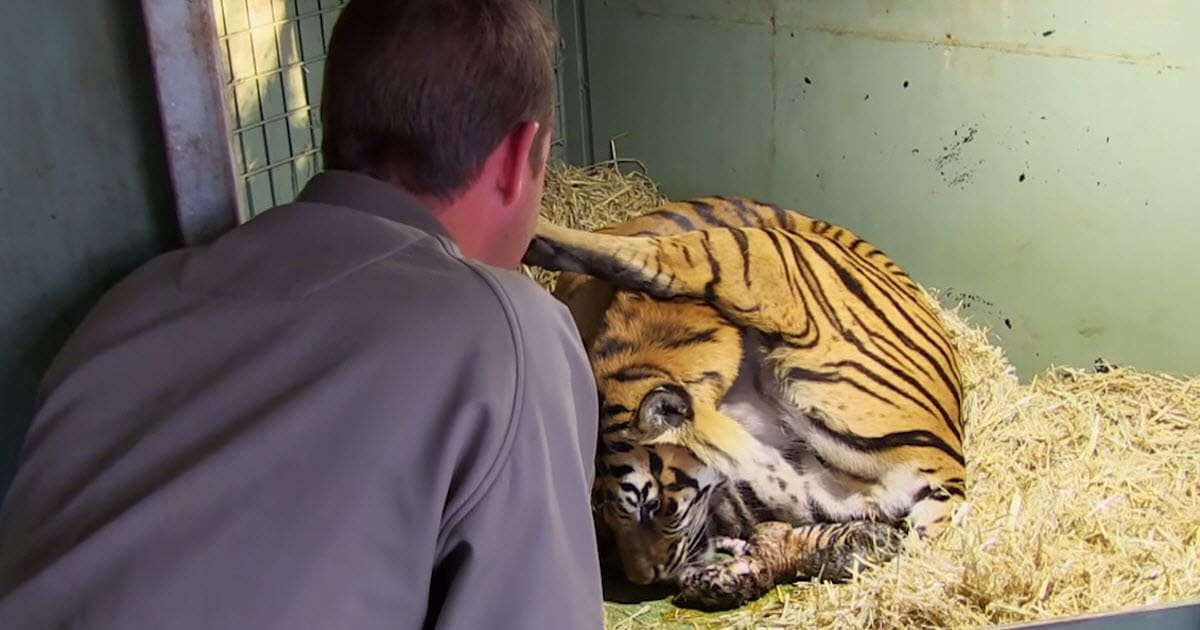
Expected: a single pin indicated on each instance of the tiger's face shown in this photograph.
(654, 500)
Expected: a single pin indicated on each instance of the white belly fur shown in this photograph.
(791, 488)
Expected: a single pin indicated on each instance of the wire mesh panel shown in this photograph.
(273, 54)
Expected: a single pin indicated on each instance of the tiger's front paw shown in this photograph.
(732, 546)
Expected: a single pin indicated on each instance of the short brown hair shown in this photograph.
(420, 92)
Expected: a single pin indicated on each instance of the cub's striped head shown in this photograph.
(654, 501)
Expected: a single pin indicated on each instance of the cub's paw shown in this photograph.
(722, 586)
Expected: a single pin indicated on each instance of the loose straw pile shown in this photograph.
(1084, 495)
(593, 197)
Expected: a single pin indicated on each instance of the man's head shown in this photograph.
(451, 100)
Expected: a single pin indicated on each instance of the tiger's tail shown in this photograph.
(729, 268)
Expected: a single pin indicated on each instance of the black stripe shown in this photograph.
(748, 217)
(626, 375)
(696, 546)
(899, 439)
(606, 348)
(817, 292)
(908, 290)
(885, 343)
(693, 338)
(818, 513)
(893, 352)
(794, 454)
(842, 471)
(635, 372)
(656, 463)
(887, 272)
(780, 215)
(619, 447)
(951, 423)
(731, 516)
(787, 272)
(882, 277)
(620, 470)
(936, 408)
(922, 494)
(743, 247)
(676, 218)
(682, 480)
(710, 289)
(707, 376)
(614, 409)
(705, 212)
(757, 508)
(616, 427)
(811, 335)
(855, 288)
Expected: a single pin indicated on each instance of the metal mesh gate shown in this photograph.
(273, 54)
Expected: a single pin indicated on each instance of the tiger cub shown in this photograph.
(667, 515)
(789, 356)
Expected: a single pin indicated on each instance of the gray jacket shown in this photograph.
(328, 419)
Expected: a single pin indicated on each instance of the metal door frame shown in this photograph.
(191, 103)
(193, 108)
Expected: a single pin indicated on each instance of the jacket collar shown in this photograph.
(377, 197)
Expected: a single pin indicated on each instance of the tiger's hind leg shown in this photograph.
(693, 265)
(780, 553)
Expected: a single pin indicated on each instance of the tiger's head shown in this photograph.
(654, 501)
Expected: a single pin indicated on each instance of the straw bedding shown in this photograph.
(1084, 495)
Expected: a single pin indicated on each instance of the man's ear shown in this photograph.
(518, 148)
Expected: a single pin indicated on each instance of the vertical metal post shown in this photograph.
(183, 49)
(576, 100)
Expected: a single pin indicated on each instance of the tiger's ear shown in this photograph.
(665, 407)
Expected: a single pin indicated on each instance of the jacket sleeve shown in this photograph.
(524, 555)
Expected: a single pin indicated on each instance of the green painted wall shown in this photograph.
(83, 189)
(912, 122)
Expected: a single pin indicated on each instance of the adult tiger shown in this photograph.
(786, 353)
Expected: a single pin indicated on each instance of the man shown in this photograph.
(351, 412)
